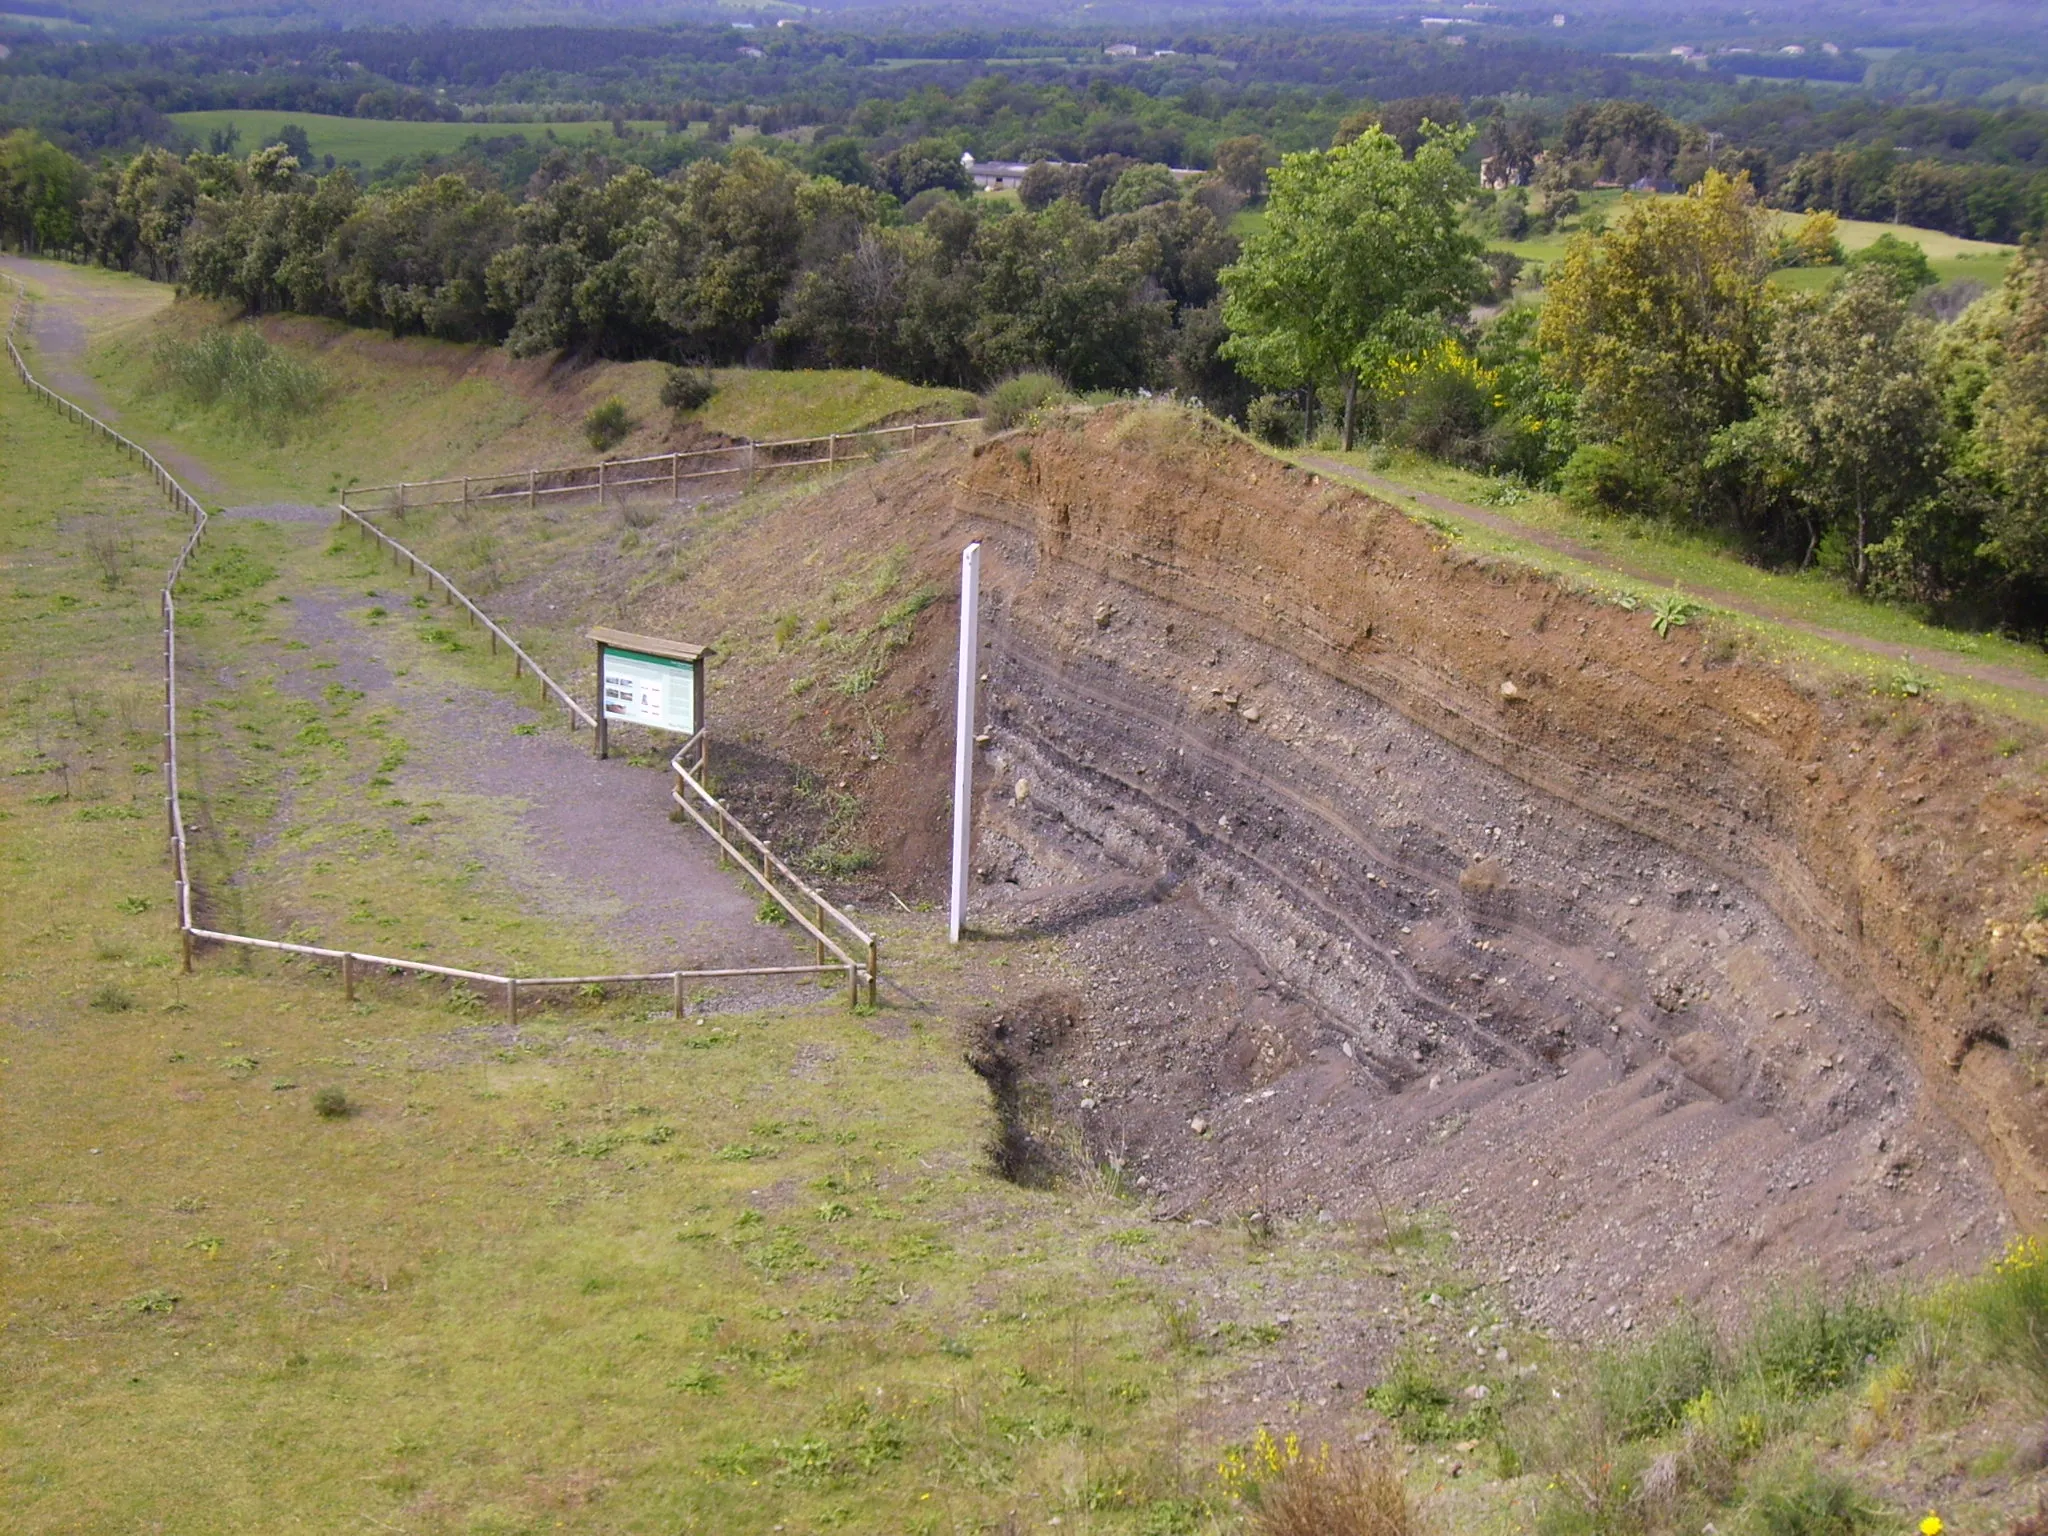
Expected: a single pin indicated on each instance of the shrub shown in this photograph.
(1425, 1408)
(1808, 1344)
(686, 389)
(1275, 419)
(1331, 1493)
(1642, 1391)
(608, 424)
(112, 999)
(2009, 1309)
(236, 368)
(1601, 478)
(1441, 402)
(331, 1104)
(1809, 1502)
(1012, 400)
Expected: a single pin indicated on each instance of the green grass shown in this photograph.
(1954, 258)
(369, 142)
(1662, 558)
(765, 404)
(414, 408)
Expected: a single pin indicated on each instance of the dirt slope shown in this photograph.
(1418, 880)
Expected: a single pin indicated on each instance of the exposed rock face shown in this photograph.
(1421, 879)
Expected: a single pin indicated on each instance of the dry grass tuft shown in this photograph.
(1337, 1494)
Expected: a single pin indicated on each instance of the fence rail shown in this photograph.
(450, 593)
(764, 866)
(620, 477)
(843, 961)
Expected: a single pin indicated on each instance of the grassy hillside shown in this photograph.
(415, 409)
(369, 142)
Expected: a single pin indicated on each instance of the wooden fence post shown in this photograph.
(600, 485)
(512, 1001)
(533, 488)
(348, 977)
(679, 996)
(675, 477)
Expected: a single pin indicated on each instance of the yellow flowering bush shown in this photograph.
(1244, 1468)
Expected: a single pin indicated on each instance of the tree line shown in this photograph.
(744, 257)
(1664, 376)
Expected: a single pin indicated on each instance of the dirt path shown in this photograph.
(595, 846)
(1934, 661)
(59, 334)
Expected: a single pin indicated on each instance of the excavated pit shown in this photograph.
(1375, 969)
(1391, 878)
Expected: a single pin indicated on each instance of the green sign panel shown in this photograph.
(639, 689)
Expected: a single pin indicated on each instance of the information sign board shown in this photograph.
(650, 690)
(643, 680)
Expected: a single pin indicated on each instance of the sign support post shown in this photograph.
(963, 741)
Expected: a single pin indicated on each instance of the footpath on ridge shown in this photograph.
(592, 846)
(1945, 662)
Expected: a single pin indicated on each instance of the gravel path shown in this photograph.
(58, 330)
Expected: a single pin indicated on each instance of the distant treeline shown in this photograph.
(1110, 280)
(1966, 170)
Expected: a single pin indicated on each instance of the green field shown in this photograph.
(370, 142)
(1954, 258)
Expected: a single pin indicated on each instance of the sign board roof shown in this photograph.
(649, 645)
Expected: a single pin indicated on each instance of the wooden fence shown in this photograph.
(662, 473)
(854, 954)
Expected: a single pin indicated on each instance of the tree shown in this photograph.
(1059, 290)
(923, 164)
(1242, 163)
(1140, 187)
(1904, 264)
(2010, 434)
(1362, 257)
(1847, 407)
(1659, 323)
(1620, 141)
(41, 188)
(841, 159)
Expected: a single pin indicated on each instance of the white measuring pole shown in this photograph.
(963, 741)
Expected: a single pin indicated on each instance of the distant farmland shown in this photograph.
(370, 142)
